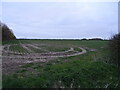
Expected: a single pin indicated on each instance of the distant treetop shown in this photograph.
(96, 39)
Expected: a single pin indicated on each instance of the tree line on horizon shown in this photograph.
(7, 33)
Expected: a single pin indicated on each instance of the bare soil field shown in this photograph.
(13, 60)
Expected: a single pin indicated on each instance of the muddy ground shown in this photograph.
(13, 60)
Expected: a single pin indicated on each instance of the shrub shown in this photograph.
(7, 33)
(114, 45)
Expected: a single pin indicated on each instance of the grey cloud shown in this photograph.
(61, 20)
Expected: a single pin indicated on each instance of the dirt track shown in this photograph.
(11, 61)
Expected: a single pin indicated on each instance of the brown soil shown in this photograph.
(12, 61)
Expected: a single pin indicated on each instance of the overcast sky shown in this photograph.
(47, 20)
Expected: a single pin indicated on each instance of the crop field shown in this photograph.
(57, 64)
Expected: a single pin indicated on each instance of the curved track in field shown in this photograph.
(11, 61)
